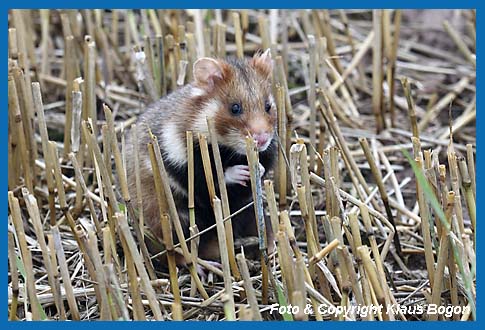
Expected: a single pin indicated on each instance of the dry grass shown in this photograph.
(372, 201)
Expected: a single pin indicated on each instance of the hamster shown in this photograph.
(237, 95)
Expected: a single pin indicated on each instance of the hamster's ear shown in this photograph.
(262, 62)
(207, 71)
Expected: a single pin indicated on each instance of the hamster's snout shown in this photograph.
(261, 132)
(262, 140)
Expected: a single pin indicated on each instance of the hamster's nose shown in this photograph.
(261, 139)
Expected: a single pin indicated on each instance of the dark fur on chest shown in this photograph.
(239, 196)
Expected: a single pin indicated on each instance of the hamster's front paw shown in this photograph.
(237, 174)
(203, 271)
(240, 174)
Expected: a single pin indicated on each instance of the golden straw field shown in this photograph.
(371, 201)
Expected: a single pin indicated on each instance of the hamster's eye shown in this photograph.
(267, 106)
(236, 108)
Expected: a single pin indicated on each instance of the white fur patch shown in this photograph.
(209, 111)
(172, 146)
(147, 163)
(194, 92)
(176, 187)
(271, 99)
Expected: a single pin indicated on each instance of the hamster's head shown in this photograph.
(237, 94)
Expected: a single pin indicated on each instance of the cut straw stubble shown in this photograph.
(159, 169)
